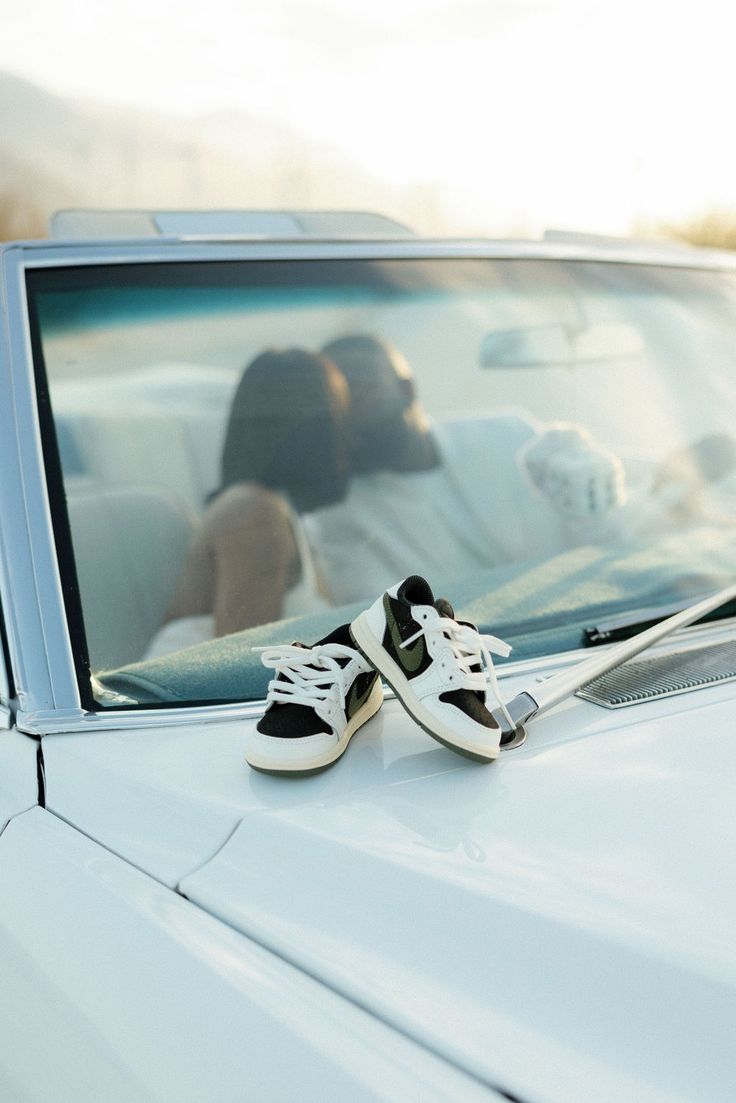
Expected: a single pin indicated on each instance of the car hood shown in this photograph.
(559, 923)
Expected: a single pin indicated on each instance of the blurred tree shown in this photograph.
(20, 216)
(715, 229)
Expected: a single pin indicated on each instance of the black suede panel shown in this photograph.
(339, 635)
(358, 692)
(415, 590)
(471, 703)
(291, 721)
(288, 721)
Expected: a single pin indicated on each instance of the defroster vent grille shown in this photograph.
(663, 676)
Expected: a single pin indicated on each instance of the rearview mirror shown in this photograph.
(556, 345)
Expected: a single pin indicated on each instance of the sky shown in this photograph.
(582, 114)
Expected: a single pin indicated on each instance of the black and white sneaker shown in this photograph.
(319, 698)
(440, 668)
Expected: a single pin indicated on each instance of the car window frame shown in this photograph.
(52, 677)
(39, 648)
(7, 691)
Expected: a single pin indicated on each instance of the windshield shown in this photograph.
(251, 451)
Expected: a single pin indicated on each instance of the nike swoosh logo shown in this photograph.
(410, 658)
(356, 702)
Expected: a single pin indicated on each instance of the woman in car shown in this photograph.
(284, 454)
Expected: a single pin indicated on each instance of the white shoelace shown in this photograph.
(311, 675)
(470, 648)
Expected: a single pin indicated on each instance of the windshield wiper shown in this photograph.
(552, 691)
(623, 628)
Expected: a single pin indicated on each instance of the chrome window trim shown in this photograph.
(76, 721)
(4, 684)
(41, 254)
(30, 582)
(4, 672)
(69, 721)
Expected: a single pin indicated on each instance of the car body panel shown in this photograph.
(167, 791)
(559, 925)
(576, 903)
(118, 989)
(501, 915)
(18, 775)
(30, 584)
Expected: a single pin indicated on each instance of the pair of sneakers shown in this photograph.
(439, 668)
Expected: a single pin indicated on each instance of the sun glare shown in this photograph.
(510, 116)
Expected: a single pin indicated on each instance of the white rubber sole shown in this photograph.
(312, 764)
(401, 685)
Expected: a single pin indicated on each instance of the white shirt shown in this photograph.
(476, 509)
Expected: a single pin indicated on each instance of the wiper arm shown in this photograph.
(552, 691)
(623, 628)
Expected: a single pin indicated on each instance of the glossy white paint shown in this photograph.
(165, 799)
(117, 989)
(559, 923)
(18, 775)
(167, 796)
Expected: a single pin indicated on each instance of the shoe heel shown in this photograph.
(364, 639)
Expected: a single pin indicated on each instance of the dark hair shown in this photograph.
(389, 429)
(359, 353)
(287, 428)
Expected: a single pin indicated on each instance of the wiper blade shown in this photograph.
(624, 628)
(552, 691)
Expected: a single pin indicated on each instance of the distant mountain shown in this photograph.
(107, 156)
(27, 195)
(247, 136)
(28, 112)
(58, 152)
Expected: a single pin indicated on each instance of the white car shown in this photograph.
(407, 925)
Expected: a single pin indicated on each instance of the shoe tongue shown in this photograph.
(444, 608)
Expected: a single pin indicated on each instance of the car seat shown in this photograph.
(129, 546)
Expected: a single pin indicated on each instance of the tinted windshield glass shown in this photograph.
(243, 444)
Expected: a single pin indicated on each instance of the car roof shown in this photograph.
(105, 236)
